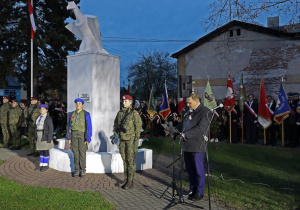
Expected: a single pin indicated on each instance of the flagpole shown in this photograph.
(242, 127)
(230, 127)
(264, 136)
(282, 134)
(31, 65)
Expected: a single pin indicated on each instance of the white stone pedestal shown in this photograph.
(96, 79)
(98, 162)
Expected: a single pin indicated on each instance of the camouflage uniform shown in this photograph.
(4, 123)
(15, 119)
(33, 113)
(129, 140)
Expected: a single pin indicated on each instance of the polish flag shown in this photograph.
(181, 104)
(229, 99)
(264, 115)
(33, 28)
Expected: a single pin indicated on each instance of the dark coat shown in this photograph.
(248, 116)
(194, 126)
(48, 130)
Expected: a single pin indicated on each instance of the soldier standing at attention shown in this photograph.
(32, 114)
(15, 120)
(79, 133)
(4, 124)
(127, 126)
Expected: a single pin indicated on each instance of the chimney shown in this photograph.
(273, 22)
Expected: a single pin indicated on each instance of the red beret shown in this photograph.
(14, 100)
(127, 97)
(6, 97)
(34, 98)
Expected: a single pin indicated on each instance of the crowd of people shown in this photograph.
(17, 120)
(220, 125)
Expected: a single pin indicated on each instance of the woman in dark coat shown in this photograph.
(43, 136)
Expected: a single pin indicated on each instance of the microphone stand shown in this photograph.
(206, 151)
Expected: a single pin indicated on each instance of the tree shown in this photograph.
(7, 48)
(52, 43)
(152, 70)
(223, 11)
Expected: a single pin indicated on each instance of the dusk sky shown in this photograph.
(128, 26)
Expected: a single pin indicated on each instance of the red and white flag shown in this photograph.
(229, 99)
(264, 115)
(33, 28)
(181, 105)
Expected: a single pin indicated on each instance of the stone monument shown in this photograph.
(94, 76)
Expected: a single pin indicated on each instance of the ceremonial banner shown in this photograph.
(282, 109)
(229, 99)
(165, 110)
(242, 94)
(264, 115)
(152, 105)
(151, 112)
(33, 28)
(209, 100)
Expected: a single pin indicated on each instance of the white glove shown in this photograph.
(297, 123)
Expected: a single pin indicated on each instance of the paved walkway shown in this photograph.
(149, 185)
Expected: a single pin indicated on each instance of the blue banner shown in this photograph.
(282, 107)
(164, 107)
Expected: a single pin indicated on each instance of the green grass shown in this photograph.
(17, 196)
(254, 177)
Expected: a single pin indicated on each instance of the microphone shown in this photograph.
(217, 107)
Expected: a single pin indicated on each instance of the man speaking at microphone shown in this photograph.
(193, 128)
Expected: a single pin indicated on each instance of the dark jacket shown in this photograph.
(194, 126)
(88, 126)
(248, 116)
(48, 129)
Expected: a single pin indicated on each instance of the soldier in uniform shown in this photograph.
(4, 121)
(32, 114)
(127, 126)
(79, 134)
(15, 119)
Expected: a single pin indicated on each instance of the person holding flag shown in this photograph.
(271, 130)
(290, 126)
(264, 114)
(242, 100)
(282, 109)
(229, 104)
(250, 118)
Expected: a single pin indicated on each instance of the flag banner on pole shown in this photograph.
(33, 28)
(229, 99)
(164, 109)
(152, 105)
(264, 115)
(209, 100)
(242, 95)
(298, 107)
(282, 109)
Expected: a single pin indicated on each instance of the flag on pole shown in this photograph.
(242, 94)
(264, 115)
(282, 109)
(33, 28)
(209, 100)
(152, 105)
(164, 109)
(229, 99)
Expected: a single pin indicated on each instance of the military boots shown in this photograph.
(128, 185)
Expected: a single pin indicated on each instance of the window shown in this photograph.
(231, 33)
(238, 32)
